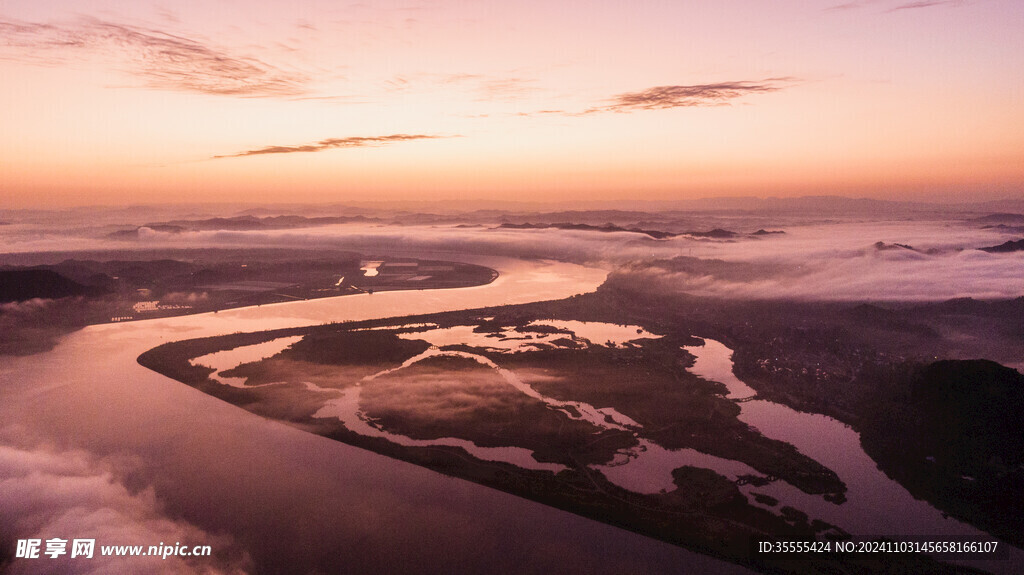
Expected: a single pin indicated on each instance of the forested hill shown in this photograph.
(21, 285)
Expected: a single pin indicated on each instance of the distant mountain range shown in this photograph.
(717, 233)
(656, 234)
(240, 223)
(822, 204)
(493, 209)
(1002, 218)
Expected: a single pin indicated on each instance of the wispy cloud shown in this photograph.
(162, 60)
(852, 5)
(855, 4)
(483, 87)
(492, 87)
(331, 143)
(922, 4)
(664, 97)
(677, 96)
(545, 113)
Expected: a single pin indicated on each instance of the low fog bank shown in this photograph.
(843, 262)
(855, 258)
(47, 493)
(831, 261)
(869, 277)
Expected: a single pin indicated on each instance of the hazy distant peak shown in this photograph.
(1002, 218)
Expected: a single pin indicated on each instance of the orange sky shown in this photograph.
(109, 102)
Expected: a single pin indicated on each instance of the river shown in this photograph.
(875, 504)
(296, 502)
(158, 455)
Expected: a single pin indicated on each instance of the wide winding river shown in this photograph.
(86, 413)
(296, 501)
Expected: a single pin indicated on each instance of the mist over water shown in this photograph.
(131, 457)
(854, 259)
(48, 492)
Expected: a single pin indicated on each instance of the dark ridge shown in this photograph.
(1005, 247)
(348, 348)
(133, 234)
(956, 438)
(593, 217)
(99, 274)
(1005, 228)
(1004, 218)
(95, 273)
(22, 285)
(656, 234)
(969, 306)
(169, 228)
(764, 232)
(871, 312)
(977, 393)
(240, 223)
(717, 233)
(960, 305)
(882, 246)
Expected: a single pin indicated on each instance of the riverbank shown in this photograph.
(288, 500)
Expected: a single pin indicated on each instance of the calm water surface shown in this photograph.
(293, 500)
(875, 505)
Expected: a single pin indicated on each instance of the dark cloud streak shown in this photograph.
(164, 61)
(665, 97)
(331, 143)
(922, 4)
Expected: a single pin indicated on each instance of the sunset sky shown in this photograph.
(112, 102)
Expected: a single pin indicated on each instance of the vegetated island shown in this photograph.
(445, 409)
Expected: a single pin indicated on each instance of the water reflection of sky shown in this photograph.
(509, 339)
(292, 501)
(875, 503)
(231, 358)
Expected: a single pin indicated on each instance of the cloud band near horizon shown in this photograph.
(332, 143)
